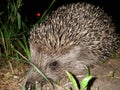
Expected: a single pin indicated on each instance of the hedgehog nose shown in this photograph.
(29, 85)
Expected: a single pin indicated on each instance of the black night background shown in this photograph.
(31, 8)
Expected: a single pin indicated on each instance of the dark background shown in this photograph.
(30, 8)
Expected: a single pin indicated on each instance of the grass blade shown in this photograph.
(19, 20)
(73, 80)
(85, 82)
(46, 11)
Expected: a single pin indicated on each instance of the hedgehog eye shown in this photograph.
(54, 65)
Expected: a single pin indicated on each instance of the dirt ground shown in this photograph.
(12, 75)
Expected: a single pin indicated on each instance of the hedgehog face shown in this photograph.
(54, 66)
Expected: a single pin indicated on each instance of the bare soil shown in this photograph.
(12, 75)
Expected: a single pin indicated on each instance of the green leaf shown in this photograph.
(19, 20)
(87, 70)
(1, 13)
(72, 79)
(85, 82)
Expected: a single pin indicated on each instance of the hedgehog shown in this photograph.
(71, 37)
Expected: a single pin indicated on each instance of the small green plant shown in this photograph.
(12, 31)
(24, 45)
(84, 82)
(73, 80)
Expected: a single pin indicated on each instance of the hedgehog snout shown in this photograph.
(29, 85)
(33, 84)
